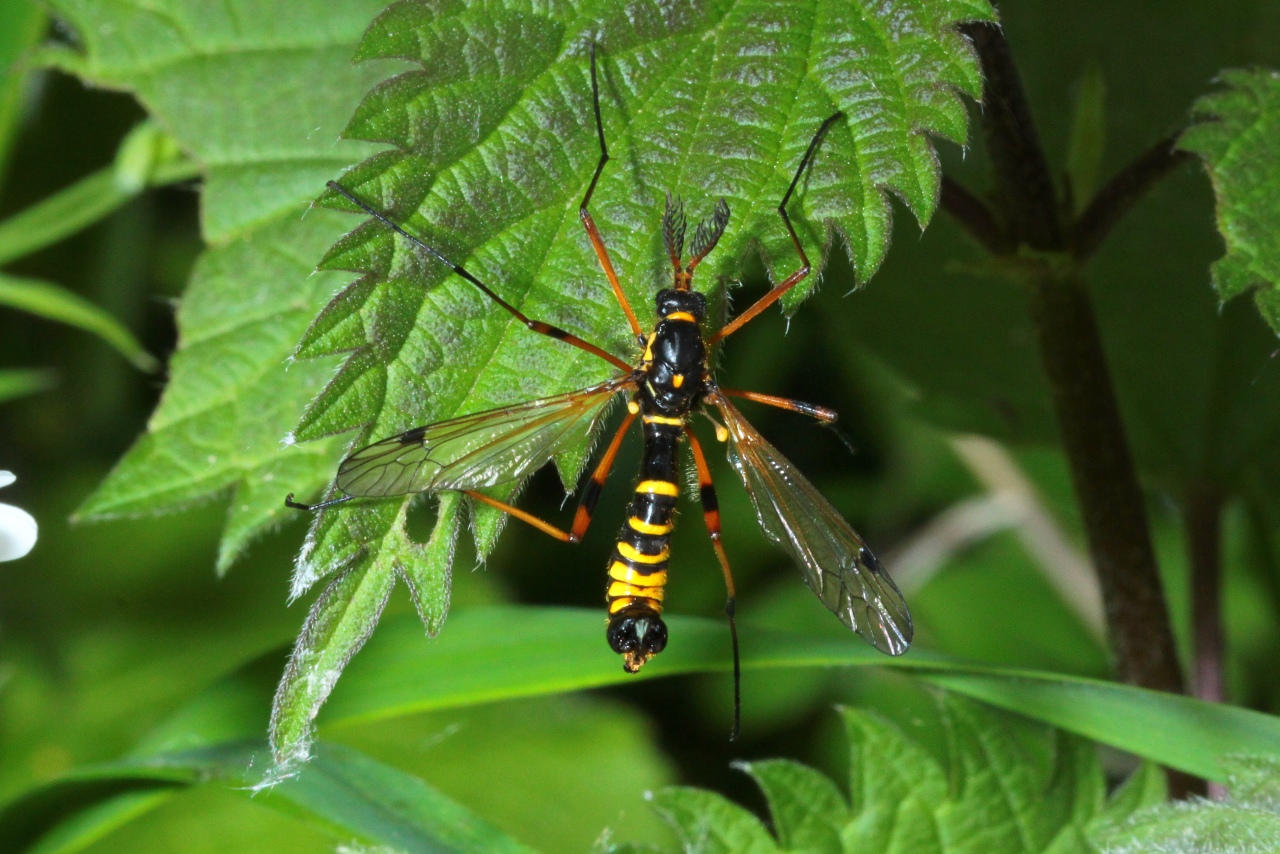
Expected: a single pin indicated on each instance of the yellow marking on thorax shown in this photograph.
(658, 487)
(648, 347)
(640, 525)
(663, 419)
(681, 315)
(677, 380)
(620, 572)
(627, 551)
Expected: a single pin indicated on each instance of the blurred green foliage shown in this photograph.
(107, 631)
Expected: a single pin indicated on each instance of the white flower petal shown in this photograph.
(17, 532)
(6, 478)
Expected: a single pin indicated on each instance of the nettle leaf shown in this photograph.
(493, 144)
(1239, 139)
(1248, 821)
(1005, 786)
(256, 95)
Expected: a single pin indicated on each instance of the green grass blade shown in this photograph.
(348, 794)
(20, 382)
(99, 820)
(146, 157)
(22, 23)
(52, 302)
(484, 655)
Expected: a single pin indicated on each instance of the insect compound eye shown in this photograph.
(637, 637)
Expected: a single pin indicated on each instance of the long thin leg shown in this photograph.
(296, 505)
(826, 416)
(536, 325)
(591, 492)
(799, 275)
(711, 513)
(544, 527)
(593, 233)
(586, 505)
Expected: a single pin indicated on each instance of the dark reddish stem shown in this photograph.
(1202, 515)
(1093, 436)
(1121, 193)
(976, 217)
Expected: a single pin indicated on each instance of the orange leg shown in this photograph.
(711, 513)
(799, 275)
(827, 416)
(587, 504)
(593, 233)
(544, 527)
(591, 492)
(535, 325)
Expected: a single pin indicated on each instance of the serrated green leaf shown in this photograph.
(494, 145)
(1005, 802)
(340, 621)
(894, 785)
(232, 393)
(708, 823)
(994, 796)
(257, 95)
(1005, 786)
(344, 616)
(807, 809)
(1247, 822)
(1239, 139)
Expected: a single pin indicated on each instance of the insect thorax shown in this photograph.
(675, 356)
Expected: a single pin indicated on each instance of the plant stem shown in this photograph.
(1202, 514)
(1093, 437)
(1023, 180)
(1105, 482)
(1121, 193)
(975, 217)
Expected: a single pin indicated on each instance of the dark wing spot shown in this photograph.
(414, 436)
(870, 561)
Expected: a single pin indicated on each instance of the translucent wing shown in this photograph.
(475, 451)
(836, 563)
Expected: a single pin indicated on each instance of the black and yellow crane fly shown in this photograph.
(671, 382)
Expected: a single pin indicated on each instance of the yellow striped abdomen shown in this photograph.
(637, 567)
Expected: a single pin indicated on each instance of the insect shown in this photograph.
(669, 384)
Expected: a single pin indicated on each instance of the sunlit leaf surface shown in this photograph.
(493, 145)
